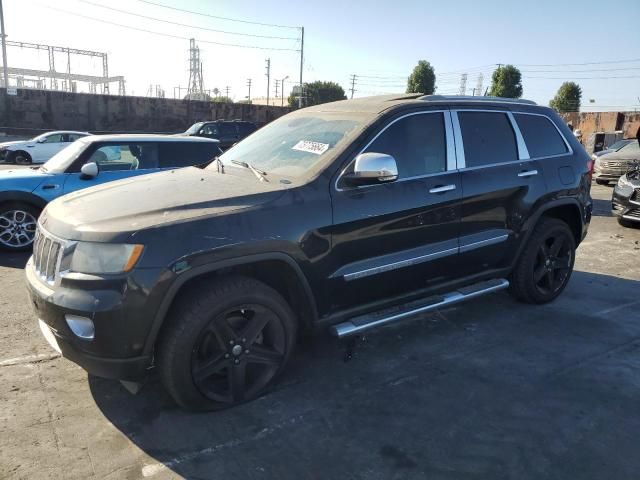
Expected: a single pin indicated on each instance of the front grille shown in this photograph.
(46, 255)
(635, 213)
(635, 196)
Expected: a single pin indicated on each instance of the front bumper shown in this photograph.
(121, 326)
(609, 173)
(625, 203)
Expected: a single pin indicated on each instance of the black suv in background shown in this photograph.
(348, 216)
(227, 132)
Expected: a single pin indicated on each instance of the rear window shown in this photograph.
(540, 135)
(185, 154)
(488, 138)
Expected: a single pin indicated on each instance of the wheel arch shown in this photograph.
(277, 270)
(22, 197)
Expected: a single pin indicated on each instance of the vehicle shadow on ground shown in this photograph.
(415, 398)
(14, 260)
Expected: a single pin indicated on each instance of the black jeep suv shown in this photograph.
(346, 216)
(227, 132)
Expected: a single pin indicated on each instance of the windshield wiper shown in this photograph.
(219, 164)
(258, 173)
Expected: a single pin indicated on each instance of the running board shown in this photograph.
(376, 319)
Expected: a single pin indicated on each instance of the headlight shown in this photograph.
(91, 257)
(623, 182)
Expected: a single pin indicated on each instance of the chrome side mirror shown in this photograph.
(371, 168)
(89, 170)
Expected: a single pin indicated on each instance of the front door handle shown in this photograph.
(50, 187)
(528, 173)
(442, 188)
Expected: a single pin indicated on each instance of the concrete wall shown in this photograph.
(591, 122)
(33, 111)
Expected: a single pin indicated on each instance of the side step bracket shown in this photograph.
(362, 323)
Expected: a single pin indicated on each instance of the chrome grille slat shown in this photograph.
(46, 255)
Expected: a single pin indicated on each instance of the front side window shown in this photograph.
(487, 138)
(417, 142)
(540, 136)
(55, 138)
(126, 156)
(210, 130)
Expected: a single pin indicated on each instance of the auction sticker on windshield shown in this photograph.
(311, 147)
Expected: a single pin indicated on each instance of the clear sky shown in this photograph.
(378, 41)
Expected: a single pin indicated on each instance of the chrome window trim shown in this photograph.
(448, 161)
(457, 133)
(523, 151)
(564, 139)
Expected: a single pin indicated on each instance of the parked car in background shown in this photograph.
(611, 166)
(228, 132)
(625, 201)
(613, 148)
(90, 161)
(349, 215)
(39, 149)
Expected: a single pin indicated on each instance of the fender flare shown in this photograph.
(535, 217)
(25, 197)
(184, 277)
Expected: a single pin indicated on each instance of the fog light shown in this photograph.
(81, 326)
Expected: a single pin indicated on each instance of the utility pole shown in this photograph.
(227, 88)
(282, 90)
(5, 75)
(277, 85)
(353, 84)
(463, 84)
(268, 74)
(249, 85)
(301, 64)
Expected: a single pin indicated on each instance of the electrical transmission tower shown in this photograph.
(277, 87)
(479, 84)
(196, 85)
(463, 84)
(353, 84)
(226, 90)
(249, 85)
(268, 74)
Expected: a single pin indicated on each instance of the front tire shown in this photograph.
(18, 223)
(602, 182)
(545, 266)
(225, 343)
(627, 223)
(21, 158)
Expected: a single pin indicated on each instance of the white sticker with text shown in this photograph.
(311, 147)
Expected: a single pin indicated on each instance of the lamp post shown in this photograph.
(282, 90)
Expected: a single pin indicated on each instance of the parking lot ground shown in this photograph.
(490, 389)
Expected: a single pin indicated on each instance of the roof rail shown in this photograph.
(467, 98)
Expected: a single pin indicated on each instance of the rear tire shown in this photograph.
(627, 224)
(602, 182)
(225, 343)
(546, 263)
(18, 223)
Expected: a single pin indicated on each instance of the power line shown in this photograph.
(581, 71)
(215, 16)
(578, 64)
(580, 78)
(153, 32)
(184, 24)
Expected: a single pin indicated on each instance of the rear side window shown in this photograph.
(246, 128)
(417, 142)
(227, 129)
(185, 154)
(488, 138)
(540, 136)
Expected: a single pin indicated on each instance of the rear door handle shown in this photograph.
(528, 173)
(442, 189)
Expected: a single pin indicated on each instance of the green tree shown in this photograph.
(506, 82)
(221, 99)
(318, 92)
(568, 98)
(422, 79)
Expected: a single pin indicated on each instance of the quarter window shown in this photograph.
(540, 136)
(488, 138)
(417, 142)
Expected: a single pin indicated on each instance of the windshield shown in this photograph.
(193, 129)
(65, 157)
(297, 144)
(618, 145)
(632, 147)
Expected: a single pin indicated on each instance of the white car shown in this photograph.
(38, 149)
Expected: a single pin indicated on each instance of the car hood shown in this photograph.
(621, 156)
(16, 142)
(26, 179)
(16, 173)
(116, 210)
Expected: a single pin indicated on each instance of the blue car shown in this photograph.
(87, 162)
